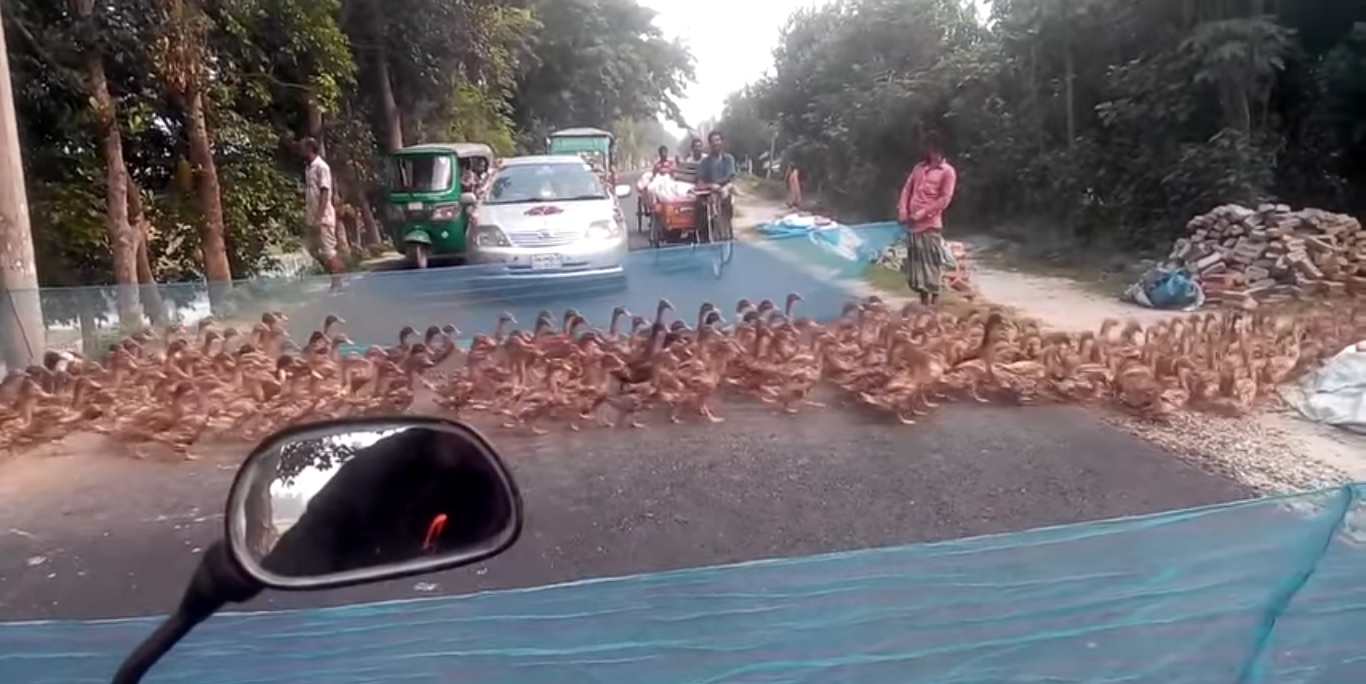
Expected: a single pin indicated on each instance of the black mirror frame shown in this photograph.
(234, 532)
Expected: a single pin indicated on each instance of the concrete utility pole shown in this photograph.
(21, 309)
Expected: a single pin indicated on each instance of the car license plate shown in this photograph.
(545, 262)
(414, 206)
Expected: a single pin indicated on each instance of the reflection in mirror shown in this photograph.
(325, 503)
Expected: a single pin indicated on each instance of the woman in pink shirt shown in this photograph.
(926, 195)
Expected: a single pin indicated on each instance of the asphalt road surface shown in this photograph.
(102, 536)
(376, 305)
(99, 535)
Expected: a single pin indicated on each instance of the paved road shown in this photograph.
(376, 305)
(97, 536)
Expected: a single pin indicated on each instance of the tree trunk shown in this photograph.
(315, 125)
(393, 119)
(148, 290)
(90, 328)
(213, 228)
(121, 236)
(21, 317)
(1069, 83)
(372, 229)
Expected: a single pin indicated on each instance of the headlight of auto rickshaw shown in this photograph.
(603, 230)
(445, 212)
(490, 236)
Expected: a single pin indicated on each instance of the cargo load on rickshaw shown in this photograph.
(676, 210)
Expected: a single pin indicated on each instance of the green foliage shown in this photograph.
(597, 62)
(1117, 120)
(749, 135)
(463, 70)
(638, 140)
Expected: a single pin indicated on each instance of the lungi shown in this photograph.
(927, 258)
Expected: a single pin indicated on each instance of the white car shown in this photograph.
(549, 217)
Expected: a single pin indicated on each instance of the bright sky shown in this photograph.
(732, 41)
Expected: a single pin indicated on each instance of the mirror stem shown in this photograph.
(216, 582)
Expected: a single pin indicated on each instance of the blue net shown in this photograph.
(1261, 591)
(376, 305)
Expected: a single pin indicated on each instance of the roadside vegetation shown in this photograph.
(1078, 127)
(159, 135)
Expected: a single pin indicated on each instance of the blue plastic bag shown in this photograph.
(1174, 289)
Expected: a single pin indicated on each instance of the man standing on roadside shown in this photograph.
(794, 187)
(927, 193)
(322, 217)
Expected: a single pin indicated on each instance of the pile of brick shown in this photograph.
(1271, 253)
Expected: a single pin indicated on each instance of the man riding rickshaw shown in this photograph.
(693, 203)
(716, 179)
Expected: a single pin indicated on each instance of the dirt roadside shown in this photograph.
(1273, 450)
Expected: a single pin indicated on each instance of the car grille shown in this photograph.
(545, 238)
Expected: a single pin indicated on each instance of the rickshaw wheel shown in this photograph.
(656, 228)
(642, 213)
(724, 221)
(704, 231)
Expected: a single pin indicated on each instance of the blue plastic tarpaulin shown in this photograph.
(844, 250)
(1261, 591)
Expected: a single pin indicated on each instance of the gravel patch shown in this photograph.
(1268, 452)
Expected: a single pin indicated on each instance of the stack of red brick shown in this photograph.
(1243, 256)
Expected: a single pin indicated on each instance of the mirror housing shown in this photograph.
(468, 199)
(622, 191)
(354, 501)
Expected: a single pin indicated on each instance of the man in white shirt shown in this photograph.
(322, 217)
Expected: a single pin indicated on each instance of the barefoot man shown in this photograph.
(926, 195)
(322, 218)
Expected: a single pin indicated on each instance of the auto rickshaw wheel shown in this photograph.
(418, 254)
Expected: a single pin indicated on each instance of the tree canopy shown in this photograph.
(160, 136)
(1113, 120)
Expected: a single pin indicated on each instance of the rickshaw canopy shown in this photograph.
(577, 140)
(460, 150)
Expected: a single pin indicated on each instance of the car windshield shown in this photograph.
(545, 183)
(423, 173)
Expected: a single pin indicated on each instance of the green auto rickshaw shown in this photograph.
(432, 189)
(596, 146)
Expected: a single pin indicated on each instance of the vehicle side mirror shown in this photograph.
(622, 191)
(468, 199)
(347, 502)
(358, 501)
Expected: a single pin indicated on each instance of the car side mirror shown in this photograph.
(347, 502)
(622, 191)
(360, 501)
(468, 199)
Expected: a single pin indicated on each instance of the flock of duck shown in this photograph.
(180, 386)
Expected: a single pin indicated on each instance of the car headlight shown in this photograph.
(603, 230)
(445, 212)
(490, 236)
